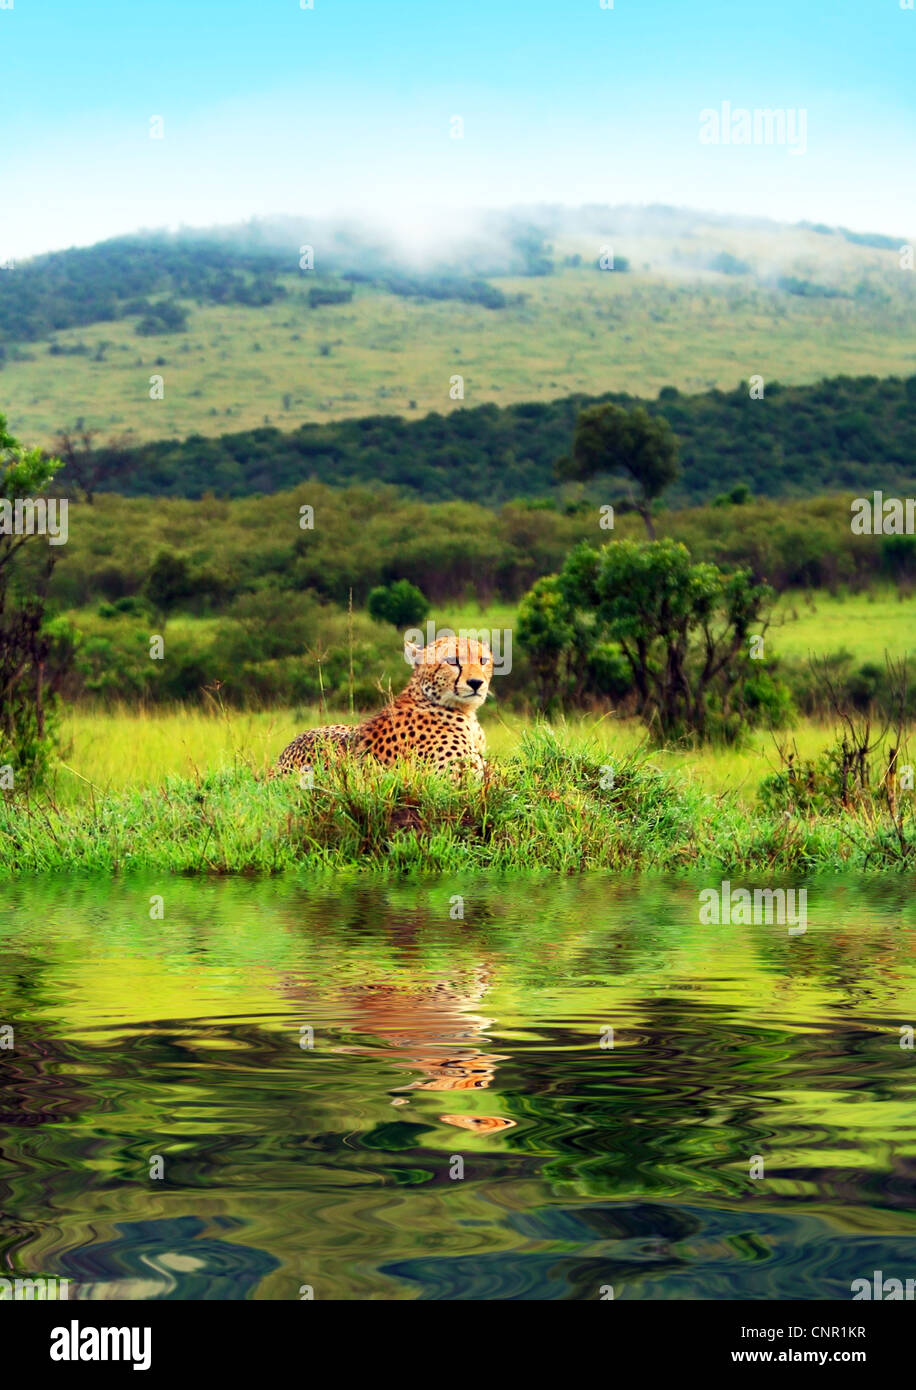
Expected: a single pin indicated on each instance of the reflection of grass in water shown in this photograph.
(528, 938)
(180, 1037)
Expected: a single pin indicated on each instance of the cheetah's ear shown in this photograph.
(413, 652)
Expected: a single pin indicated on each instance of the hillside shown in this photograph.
(857, 433)
(242, 338)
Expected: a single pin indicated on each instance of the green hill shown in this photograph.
(243, 338)
(855, 433)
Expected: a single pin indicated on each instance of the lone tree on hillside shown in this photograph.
(610, 439)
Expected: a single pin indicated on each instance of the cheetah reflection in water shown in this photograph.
(429, 1029)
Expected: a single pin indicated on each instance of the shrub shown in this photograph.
(402, 604)
(682, 630)
(169, 581)
(167, 316)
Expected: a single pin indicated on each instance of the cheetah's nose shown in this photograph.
(475, 685)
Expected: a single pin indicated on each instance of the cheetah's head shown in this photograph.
(452, 671)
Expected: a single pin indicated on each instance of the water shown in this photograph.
(442, 1045)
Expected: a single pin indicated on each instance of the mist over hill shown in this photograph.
(241, 264)
(290, 321)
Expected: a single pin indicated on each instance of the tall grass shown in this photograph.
(122, 748)
(552, 804)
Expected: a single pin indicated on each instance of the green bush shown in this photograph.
(402, 604)
(169, 581)
(679, 630)
(898, 556)
(167, 316)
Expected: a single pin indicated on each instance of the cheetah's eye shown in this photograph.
(453, 661)
(484, 660)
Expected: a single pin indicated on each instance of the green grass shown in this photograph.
(543, 807)
(576, 331)
(865, 625)
(113, 751)
(183, 788)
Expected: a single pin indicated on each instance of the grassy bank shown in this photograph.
(549, 805)
(181, 787)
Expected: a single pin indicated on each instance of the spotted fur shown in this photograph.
(435, 718)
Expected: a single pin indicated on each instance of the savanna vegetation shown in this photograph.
(274, 612)
(155, 764)
(545, 806)
(798, 441)
(657, 563)
(131, 275)
(119, 279)
(34, 651)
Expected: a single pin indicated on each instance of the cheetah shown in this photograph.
(434, 718)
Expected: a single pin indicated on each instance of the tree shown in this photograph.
(166, 316)
(546, 630)
(898, 556)
(88, 466)
(34, 653)
(738, 496)
(564, 646)
(610, 439)
(169, 582)
(402, 604)
(683, 629)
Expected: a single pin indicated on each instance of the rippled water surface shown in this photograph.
(349, 1087)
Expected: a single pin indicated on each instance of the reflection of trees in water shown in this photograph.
(727, 1043)
(42, 1091)
(696, 1087)
(689, 1093)
(863, 969)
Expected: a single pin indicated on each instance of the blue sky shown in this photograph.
(345, 109)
